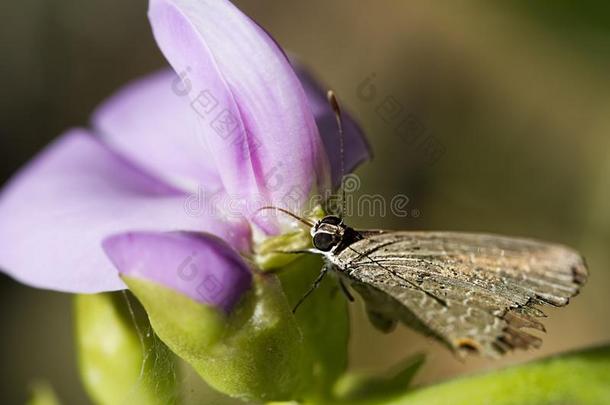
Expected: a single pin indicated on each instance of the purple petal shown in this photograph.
(254, 113)
(56, 212)
(151, 124)
(356, 150)
(200, 266)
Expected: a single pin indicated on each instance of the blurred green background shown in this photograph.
(516, 95)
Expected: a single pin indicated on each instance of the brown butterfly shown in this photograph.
(473, 292)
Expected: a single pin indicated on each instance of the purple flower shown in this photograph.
(237, 122)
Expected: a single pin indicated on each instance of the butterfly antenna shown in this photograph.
(290, 214)
(334, 103)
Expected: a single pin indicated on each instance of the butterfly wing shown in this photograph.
(473, 292)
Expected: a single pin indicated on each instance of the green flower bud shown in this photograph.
(120, 358)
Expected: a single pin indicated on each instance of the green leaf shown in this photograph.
(575, 378)
(360, 386)
(256, 353)
(120, 358)
(323, 319)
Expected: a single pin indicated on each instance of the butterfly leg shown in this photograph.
(345, 291)
(381, 322)
(313, 287)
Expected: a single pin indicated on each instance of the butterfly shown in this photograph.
(472, 292)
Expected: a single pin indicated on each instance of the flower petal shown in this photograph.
(254, 113)
(56, 212)
(200, 266)
(356, 148)
(151, 124)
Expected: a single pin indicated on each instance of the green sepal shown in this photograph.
(255, 353)
(323, 319)
(121, 360)
(269, 254)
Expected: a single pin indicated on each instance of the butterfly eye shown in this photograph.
(323, 241)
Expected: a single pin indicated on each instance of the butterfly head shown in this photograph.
(328, 233)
